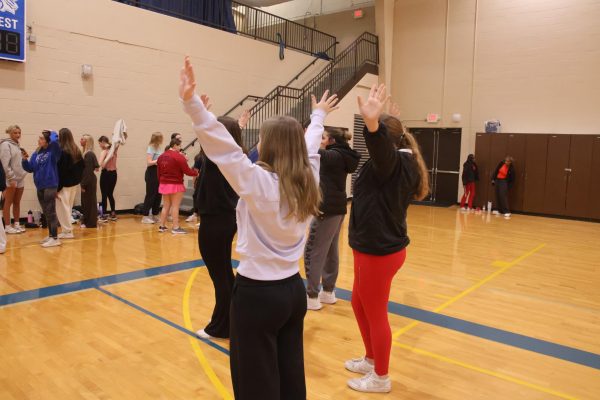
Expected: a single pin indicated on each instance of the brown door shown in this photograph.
(535, 172)
(425, 137)
(594, 202)
(515, 147)
(483, 142)
(497, 154)
(580, 164)
(557, 167)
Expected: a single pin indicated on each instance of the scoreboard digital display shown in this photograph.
(12, 30)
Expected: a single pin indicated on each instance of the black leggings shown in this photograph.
(153, 198)
(214, 240)
(267, 348)
(108, 181)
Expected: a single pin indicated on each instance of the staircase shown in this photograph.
(339, 76)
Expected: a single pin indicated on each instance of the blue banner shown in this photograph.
(12, 30)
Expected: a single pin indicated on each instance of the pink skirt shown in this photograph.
(170, 188)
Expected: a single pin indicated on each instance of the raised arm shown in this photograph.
(379, 144)
(320, 110)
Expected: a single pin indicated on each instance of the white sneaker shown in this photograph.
(371, 383)
(20, 228)
(464, 209)
(44, 240)
(495, 212)
(11, 231)
(51, 243)
(66, 235)
(327, 297)
(201, 333)
(313, 304)
(507, 215)
(148, 220)
(359, 365)
(191, 218)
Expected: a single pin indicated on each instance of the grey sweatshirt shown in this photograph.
(10, 155)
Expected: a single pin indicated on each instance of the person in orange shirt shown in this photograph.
(502, 179)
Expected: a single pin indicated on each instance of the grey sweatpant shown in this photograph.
(321, 259)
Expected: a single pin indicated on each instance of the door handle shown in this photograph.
(568, 169)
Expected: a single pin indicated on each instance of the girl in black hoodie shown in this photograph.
(321, 259)
(470, 175)
(393, 176)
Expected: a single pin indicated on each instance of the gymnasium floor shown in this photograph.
(484, 308)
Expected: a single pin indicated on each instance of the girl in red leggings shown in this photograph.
(393, 176)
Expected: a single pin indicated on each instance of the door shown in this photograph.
(497, 154)
(594, 182)
(483, 143)
(536, 151)
(579, 175)
(447, 166)
(515, 147)
(557, 174)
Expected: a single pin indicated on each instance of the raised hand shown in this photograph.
(187, 81)
(394, 110)
(327, 103)
(372, 108)
(244, 118)
(206, 101)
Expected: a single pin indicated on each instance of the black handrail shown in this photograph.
(338, 77)
(248, 21)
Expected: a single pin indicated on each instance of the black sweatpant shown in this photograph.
(502, 196)
(89, 205)
(266, 348)
(152, 199)
(214, 240)
(108, 181)
(47, 199)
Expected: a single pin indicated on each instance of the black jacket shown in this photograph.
(383, 189)
(337, 161)
(2, 178)
(470, 172)
(214, 194)
(510, 176)
(69, 172)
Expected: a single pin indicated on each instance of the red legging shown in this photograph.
(372, 281)
(470, 193)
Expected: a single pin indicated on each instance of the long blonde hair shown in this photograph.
(89, 143)
(283, 151)
(405, 140)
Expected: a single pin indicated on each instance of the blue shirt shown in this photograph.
(43, 165)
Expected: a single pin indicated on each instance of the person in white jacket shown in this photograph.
(278, 196)
(10, 155)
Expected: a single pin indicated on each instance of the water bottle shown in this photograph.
(30, 217)
(100, 212)
(489, 207)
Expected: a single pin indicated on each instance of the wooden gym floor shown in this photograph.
(484, 308)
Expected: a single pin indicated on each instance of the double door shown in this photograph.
(441, 151)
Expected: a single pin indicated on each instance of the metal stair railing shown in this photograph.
(339, 76)
(249, 21)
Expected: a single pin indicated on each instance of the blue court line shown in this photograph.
(482, 331)
(164, 320)
(485, 332)
(19, 297)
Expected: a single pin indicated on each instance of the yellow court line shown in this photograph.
(472, 288)
(199, 354)
(485, 371)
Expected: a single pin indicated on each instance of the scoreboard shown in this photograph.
(12, 30)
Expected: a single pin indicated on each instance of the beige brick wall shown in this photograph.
(532, 64)
(136, 56)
